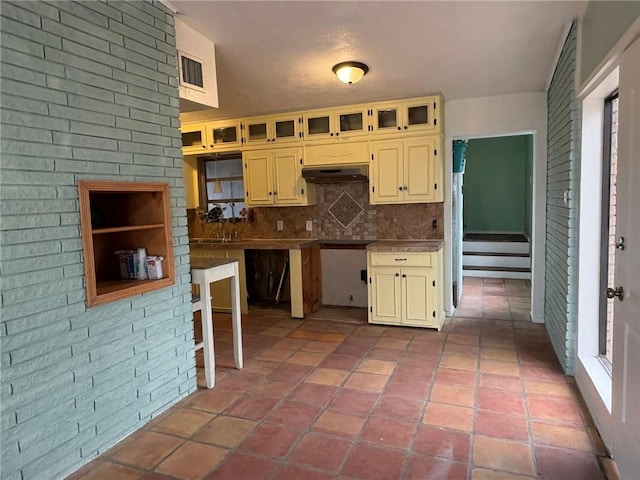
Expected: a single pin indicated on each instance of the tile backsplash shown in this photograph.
(363, 221)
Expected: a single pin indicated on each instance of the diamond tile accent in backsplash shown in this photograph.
(345, 209)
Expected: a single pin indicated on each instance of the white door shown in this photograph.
(626, 326)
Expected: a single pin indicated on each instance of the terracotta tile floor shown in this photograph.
(484, 398)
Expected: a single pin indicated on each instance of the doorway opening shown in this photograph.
(492, 210)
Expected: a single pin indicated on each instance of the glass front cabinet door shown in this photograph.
(224, 135)
(336, 124)
(272, 130)
(418, 114)
(194, 138)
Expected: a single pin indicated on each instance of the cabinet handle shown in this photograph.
(401, 259)
(275, 193)
(337, 133)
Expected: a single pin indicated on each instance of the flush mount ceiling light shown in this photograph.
(350, 72)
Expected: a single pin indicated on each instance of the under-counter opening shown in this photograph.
(267, 276)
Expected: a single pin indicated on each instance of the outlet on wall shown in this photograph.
(280, 225)
(309, 225)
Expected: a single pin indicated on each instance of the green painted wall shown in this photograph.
(495, 184)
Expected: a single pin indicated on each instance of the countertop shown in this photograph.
(204, 244)
(405, 246)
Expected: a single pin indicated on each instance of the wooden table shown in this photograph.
(204, 271)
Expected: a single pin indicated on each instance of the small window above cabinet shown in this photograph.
(272, 130)
(336, 123)
(421, 114)
(117, 218)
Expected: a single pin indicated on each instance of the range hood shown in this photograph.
(356, 173)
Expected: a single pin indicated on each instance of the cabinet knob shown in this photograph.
(405, 187)
(405, 127)
(275, 193)
(404, 275)
(211, 146)
(399, 128)
(273, 139)
(331, 134)
(337, 133)
(204, 146)
(400, 188)
(268, 139)
(397, 274)
(270, 193)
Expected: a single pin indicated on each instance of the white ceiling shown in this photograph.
(277, 56)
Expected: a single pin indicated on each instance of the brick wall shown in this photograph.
(563, 181)
(89, 91)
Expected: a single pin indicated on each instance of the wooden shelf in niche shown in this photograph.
(123, 216)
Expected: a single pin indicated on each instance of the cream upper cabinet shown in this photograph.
(224, 135)
(419, 114)
(211, 137)
(194, 138)
(273, 177)
(406, 171)
(336, 124)
(272, 130)
(406, 289)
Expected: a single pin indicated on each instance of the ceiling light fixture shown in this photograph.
(350, 72)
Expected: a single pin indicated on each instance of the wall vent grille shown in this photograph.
(190, 72)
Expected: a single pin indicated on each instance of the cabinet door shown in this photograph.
(384, 296)
(224, 135)
(351, 122)
(258, 182)
(386, 118)
(420, 114)
(286, 128)
(319, 125)
(386, 178)
(287, 177)
(420, 182)
(417, 293)
(194, 138)
(257, 131)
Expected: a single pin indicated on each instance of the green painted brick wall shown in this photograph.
(89, 91)
(563, 175)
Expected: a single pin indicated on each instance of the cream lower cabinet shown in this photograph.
(406, 171)
(406, 289)
(274, 177)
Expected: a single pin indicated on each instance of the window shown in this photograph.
(608, 234)
(220, 179)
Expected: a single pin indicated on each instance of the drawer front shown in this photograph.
(401, 259)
